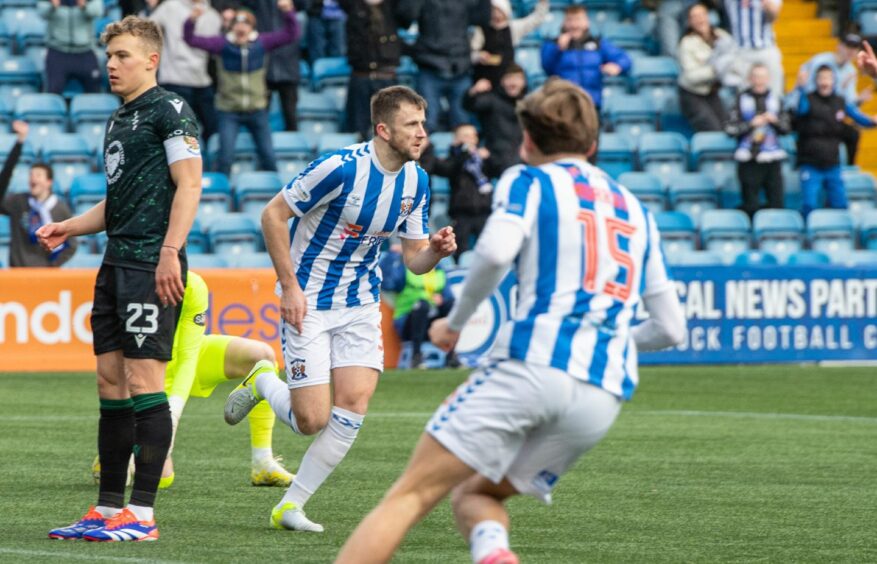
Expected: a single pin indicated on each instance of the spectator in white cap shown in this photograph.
(493, 47)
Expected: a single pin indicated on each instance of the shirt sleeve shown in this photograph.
(516, 198)
(178, 127)
(318, 184)
(416, 226)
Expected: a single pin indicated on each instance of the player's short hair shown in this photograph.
(50, 174)
(575, 9)
(560, 117)
(147, 31)
(387, 101)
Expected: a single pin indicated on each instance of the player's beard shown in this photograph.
(402, 150)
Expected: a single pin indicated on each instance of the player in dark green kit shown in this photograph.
(153, 169)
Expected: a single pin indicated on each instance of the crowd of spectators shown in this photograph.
(465, 52)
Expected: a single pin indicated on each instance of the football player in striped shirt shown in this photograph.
(343, 207)
(586, 253)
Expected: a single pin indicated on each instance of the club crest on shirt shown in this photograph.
(407, 206)
(114, 159)
(297, 369)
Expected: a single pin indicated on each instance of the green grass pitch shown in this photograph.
(742, 464)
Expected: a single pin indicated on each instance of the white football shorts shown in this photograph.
(332, 339)
(526, 423)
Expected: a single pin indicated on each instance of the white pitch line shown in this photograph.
(758, 415)
(76, 556)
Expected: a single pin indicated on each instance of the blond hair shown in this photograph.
(560, 117)
(145, 30)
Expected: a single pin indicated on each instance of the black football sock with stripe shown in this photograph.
(153, 433)
(115, 439)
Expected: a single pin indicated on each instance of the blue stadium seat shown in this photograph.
(313, 128)
(86, 190)
(677, 232)
(69, 155)
(5, 238)
(441, 142)
(663, 154)
(407, 71)
(694, 258)
(244, 152)
(868, 229)
(292, 145)
(807, 258)
(615, 153)
(655, 77)
(197, 241)
(84, 259)
(288, 169)
(693, 193)
(792, 197)
(779, 232)
(631, 114)
(712, 152)
(755, 258)
(330, 142)
(628, 36)
(205, 261)
(215, 196)
(861, 191)
(46, 114)
(31, 29)
(830, 231)
(725, 232)
(252, 190)
(316, 106)
(234, 233)
(853, 258)
(92, 107)
(330, 71)
(868, 21)
(647, 188)
(438, 185)
(251, 260)
(18, 75)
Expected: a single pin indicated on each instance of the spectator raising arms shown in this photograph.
(580, 57)
(699, 81)
(495, 109)
(442, 52)
(30, 211)
(373, 51)
(183, 69)
(820, 125)
(70, 40)
(493, 47)
(242, 98)
(757, 121)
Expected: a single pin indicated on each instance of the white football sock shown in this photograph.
(260, 454)
(276, 393)
(486, 537)
(176, 404)
(107, 512)
(142, 513)
(324, 454)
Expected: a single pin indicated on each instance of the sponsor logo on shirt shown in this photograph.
(200, 319)
(177, 104)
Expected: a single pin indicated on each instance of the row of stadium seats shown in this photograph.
(728, 233)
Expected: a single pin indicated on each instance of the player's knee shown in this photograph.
(263, 351)
(311, 423)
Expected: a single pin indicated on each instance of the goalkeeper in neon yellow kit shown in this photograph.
(202, 362)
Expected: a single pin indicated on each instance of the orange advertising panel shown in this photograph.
(45, 315)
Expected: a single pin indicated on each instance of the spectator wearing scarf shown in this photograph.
(29, 211)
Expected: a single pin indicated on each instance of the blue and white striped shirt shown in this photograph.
(751, 27)
(346, 206)
(591, 250)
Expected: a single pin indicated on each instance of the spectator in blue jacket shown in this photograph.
(582, 58)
